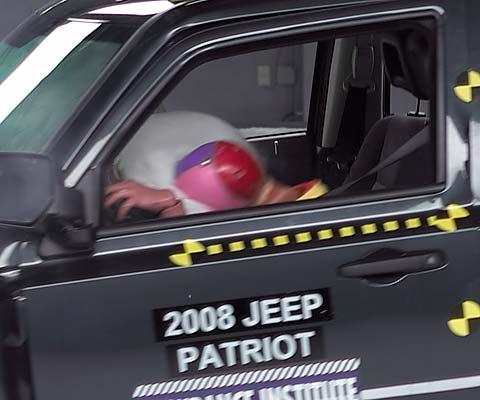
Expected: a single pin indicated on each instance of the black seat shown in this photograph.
(408, 63)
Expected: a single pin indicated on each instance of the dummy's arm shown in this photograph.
(273, 192)
(164, 202)
(135, 195)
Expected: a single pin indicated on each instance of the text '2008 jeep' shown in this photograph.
(227, 200)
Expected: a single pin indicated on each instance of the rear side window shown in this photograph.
(404, 103)
(290, 124)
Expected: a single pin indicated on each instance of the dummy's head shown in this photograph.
(221, 175)
(150, 158)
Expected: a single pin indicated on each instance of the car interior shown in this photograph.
(331, 110)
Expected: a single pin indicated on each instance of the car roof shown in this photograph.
(137, 10)
(106, 9)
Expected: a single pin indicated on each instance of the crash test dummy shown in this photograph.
(182, 163)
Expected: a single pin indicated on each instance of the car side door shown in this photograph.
(256, 301)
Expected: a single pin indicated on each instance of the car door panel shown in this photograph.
(400, 334)
(92, 333)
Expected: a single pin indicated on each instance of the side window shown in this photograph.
(403, 102)
(283, 125)
(260, 93)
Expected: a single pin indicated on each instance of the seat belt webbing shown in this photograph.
(415, 142)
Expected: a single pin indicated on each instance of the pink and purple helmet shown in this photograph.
(221, 175)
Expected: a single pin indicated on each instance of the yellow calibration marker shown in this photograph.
(237, 246)
(214, 249)
(449, 223)
(391, 226)
(303, 237)
(413, 223)
(346, 231)
(325, 234)
(368, 229)
(462, 326)
(445, 220)
(281, 240)
(185, 259)
(259, 243)
(466, 85)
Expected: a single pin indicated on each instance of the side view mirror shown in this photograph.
(33, 195)
(66, 232)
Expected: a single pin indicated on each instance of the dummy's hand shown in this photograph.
(135, 195)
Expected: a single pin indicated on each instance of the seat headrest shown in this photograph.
(408, 59)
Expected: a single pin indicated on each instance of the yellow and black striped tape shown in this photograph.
(468, 84)
(463, 323)
(445, 220)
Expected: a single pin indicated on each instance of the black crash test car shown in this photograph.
(241, 200)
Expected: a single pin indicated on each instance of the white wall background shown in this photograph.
(232, 89)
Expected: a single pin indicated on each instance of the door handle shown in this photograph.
(395, 263)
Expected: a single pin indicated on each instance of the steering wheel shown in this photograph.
(109, 214)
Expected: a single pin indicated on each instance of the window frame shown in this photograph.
(200, 53)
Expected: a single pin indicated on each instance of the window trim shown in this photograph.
(262, 211)
(255, 37)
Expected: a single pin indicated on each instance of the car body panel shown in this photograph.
(86, 322)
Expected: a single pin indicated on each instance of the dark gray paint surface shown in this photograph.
(100, 334)
(94, 338)
(15, 12)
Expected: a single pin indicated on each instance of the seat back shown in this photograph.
(386, 136)
(407, 60)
